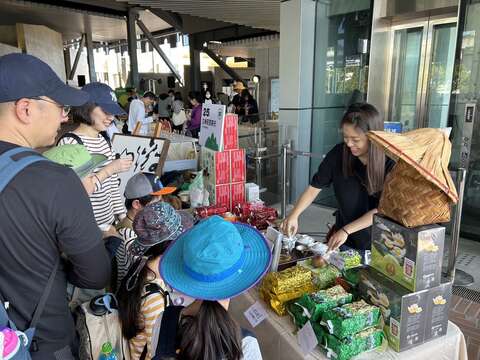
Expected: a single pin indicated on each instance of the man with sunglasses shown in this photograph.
(45, 212)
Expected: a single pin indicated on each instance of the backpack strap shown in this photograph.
(107, 139)
(167, 339)
(43, 300)
(15, 160)
(153, 288)
(71, 135)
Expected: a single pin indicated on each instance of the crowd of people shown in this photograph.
(182, 116)
(68, 236)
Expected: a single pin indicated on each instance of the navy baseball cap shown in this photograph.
(25, 76)
(104, 96)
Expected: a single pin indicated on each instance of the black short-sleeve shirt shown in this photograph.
(45, 211)
(351, 194)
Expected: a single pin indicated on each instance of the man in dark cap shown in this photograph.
(48, 234)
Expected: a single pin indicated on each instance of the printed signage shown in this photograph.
(211, 128)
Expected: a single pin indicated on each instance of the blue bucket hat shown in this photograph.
(104, 96)
(216, 260)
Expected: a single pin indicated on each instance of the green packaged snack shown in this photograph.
(319, 332)
(317, 303)
(353, 345)
(345, 260)
(298, 314)
(351, 318)
(323, 277)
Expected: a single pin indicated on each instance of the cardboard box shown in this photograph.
(237, 194)
(230, 132)
(219, 195)
(216, 165)
(411, 257)
(237, 165)
(410, 318)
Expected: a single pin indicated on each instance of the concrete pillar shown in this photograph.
(132, 46)
(89, 44)
(195, 74)
(297, 34)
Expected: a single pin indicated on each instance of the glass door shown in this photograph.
(440, 75)
(407, 68)
(421, 76)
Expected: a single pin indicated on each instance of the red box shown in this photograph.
(237, 165)
(237, 193)
(219, 195)
(230, 132)
(216, 165)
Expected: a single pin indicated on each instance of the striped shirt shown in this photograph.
(122, 255)
(152, 307)
(106, 200)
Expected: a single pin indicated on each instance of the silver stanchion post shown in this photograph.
(461, 278)
(285, 149)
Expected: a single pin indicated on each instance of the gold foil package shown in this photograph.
(278, 288)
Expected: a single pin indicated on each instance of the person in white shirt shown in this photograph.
(137, 112)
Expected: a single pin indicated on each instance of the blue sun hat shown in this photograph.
(216, 260)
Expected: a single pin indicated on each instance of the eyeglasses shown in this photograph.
(65, 108)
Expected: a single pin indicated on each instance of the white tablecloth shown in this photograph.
(278, 341)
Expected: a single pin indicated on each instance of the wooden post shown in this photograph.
(158, 129)
(137, 128)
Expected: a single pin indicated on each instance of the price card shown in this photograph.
(255, 314)
(307, 340)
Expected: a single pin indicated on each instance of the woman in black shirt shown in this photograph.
(356, 169)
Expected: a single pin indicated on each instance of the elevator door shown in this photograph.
(422, 62)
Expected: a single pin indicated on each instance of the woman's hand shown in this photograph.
(337, 240)
(119, 166)
(289, 226)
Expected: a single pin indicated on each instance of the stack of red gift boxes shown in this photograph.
(225, 171)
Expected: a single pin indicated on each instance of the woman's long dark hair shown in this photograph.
(365, 117)
(210, 334)
(130, 301)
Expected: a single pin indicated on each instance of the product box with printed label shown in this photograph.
(219, 195)
(412, 257)
(237, 194)
(216, 166)
(410, 318)
(237, 165)
(230, 132)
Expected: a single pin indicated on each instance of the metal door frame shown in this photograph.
(427, 24)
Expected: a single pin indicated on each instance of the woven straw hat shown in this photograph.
(426, 150)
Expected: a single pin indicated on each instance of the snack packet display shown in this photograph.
(317, 303)
(277, 288)
(351, 318)
(353, 345)
(322, 277)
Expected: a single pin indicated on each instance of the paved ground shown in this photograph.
(466, 314)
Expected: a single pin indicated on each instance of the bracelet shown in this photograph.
(345, 231)
(98, 179)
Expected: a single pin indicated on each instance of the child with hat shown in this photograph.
(140, 295)
(213, 262)
(141, 190)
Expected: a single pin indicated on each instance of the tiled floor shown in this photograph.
(466, 314)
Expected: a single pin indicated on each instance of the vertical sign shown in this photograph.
(211, 128)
